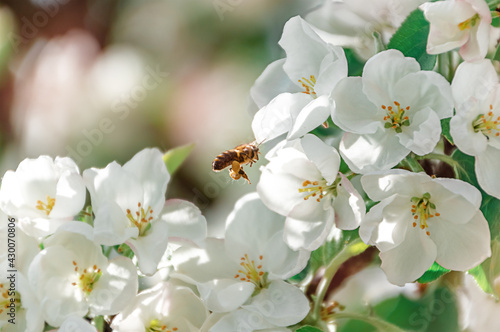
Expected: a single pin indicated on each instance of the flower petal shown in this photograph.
(473, 79)
(311, 116)
(308, 235)
(324, 156)
(349, 206)
(395, 181)
(423, 134)
(487, 166)
(185, 221)
(410, 259)
(372, 152)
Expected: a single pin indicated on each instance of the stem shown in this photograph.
(412, 164)
(352, 249)
(381, 325)
(444, 158)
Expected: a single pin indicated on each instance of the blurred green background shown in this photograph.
(99, 80)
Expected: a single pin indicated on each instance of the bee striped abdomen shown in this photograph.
(224, 160)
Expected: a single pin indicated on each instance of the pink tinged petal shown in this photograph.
(311, 116)
(488, 176)
(349, 206)
(461, 247)
(473, 79)
(277, 117)
(324, 156)
(425, 89)
(148, 166)
(372, 152)
(111, 226)
(281, 304)
(477, 46)
(226, 294)
(304, 49)
(410, 259)
(395, 181)
(423, 134)
(116, 288)
(280, 261)
(272, 82)
(307, 235)
(353, 111)
(444, 18)
(185, 221)
(382, 73)
(149, 248)
(463, 134)
(468, 191)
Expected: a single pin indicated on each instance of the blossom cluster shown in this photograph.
(353, 162)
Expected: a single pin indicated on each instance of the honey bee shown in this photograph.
(240, 155)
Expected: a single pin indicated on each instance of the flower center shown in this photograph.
(5, 298)
(396, 119)
(319, 188)
(87, 278)
(249, 272)
(422, 210)
(141, 218)
(487, 124)
(46, 207)
(308, 85)
(469, 23)
(156, 326)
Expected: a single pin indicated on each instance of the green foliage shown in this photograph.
(445, 125)
(355, 65)
(411, 39)
(309, 328)
(434, 272)
(324, 254)
(481, 278)
(175, 157)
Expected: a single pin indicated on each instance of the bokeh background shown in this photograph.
(99, 80)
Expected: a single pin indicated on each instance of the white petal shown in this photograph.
(463, 134)
(382, 73)
(473, 79)
(396, 181)
(332, 69)
(281, 304)
(304, 49)
(272, 82)
(349, 206)
(70, 196)
(116, 288)
(76, 323)
(468, 191)
(311, 116)
(488, 176)
(240, 320)
(277, 117)
(372, 152)
(324, 156)
(150, 247)
(423, 134)
(307, 235)
(479, 38)
(280, 261)
(353, 111)
(185, 221)
(226, 294)
(111, 226)
(148, 166)
(461, 247)
(410, 259)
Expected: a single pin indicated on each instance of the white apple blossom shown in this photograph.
(420, 220)
(352, 23)
(43, 194)
(476, 126)
(75, 324)
(165, 307)
(303, 183)
(293, 94)
(458, 23)
(129, 206)
(394, 108)
(246, 270)
(71, 276)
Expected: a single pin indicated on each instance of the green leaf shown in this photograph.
(445, 125)
(495, 20)
(354, 64)
(490, 207)
(492, 4)
(465, 167)
(411, 39)
(497, 54)
(434, 272)
(323, 255)
(481, 278)
(309, 328)
(175, 157)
